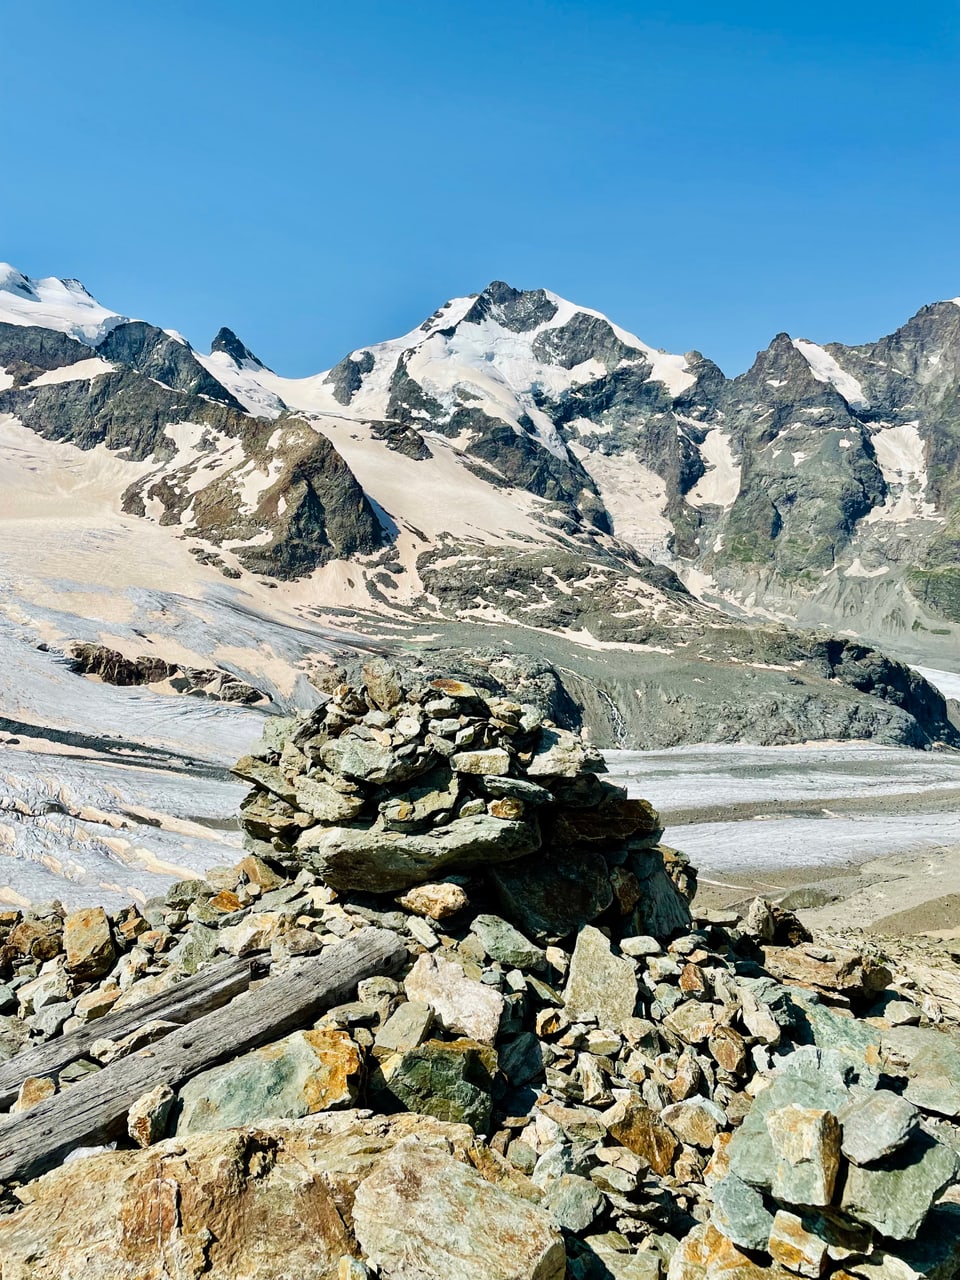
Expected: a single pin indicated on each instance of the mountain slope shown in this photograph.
(501, 475)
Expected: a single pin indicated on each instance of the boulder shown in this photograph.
(462, 1005)
(806, 1151)
(422, 1215)
(876, 1126)
(450, 1080)
(550, 899)
(504, 943)
(897, 1196)
(306, 1072)
(740, 1214)
(382, 861)
(147, 1118)
(435, 901)
(930, 1060)
(641, 1131)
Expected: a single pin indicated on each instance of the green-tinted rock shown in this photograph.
(876, 1126)
(324, 802)
(550, 899)
(896, 1197)
(450, 1080)
(740, 1213)
(306, 1072)
(504, 943)
(930, 1060)
(406, 1028)
(382, 861)
(573, 1202)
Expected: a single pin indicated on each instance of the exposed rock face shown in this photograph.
(113, 668)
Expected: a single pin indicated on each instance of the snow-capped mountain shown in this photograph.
(515, 461)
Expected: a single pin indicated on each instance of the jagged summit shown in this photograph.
(227, 342)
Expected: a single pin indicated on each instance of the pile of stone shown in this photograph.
(571, 1076)
(384, 788)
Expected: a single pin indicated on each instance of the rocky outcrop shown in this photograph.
(112, 667)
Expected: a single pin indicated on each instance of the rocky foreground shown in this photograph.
(540, 1061)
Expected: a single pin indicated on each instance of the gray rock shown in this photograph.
(930, 1060)
(806, 1150)
(423, 1215)
(560, 754)
(521, 1059)
(516, 789)
(740, 1214)
(896, 1197)
(324, 802)
(495, 762)
(503, 942)
(406, 1028)
(549, 899)
(876, 1126)
(600, 985)
(382, 861)
(573, 1202)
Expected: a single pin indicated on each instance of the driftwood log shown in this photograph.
(182, 1003)
(93, 1110)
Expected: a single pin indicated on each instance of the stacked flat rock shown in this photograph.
(383, 788)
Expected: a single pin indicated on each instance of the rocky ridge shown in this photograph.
(573, 1073)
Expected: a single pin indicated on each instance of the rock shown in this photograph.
(521, 1059)
(740, 1214)
(930, 1060)
(256, 932)
(600, 985)
(258, 1203)
(432, 797)
(728, 1049)
(573, 1202)
(436, 901)
(516, 789)
(896, 1197)
(88, 942)
(806, 1151)
(876, 1126)
(382, 684)
(706, 1254)
(935, 1255)
(259, 872)
(663, 908)
(796, 1248)
(696, 1121)
(147, 1118)
(836, 969)
(450, 1080)
(551, 899)
(492, 763)
(640, 1130)
(504, 943)
(406, 1028)
(306, 1072)
(353, 1269)
(424, 1216)
(560, 754)
(381, 861)
(462, 1005)
(693, 1021)
(32, 1090)
(326, 803)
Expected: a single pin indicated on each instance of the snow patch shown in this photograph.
(900, 456)
(825, 368)
(79, 372)
(719, 486)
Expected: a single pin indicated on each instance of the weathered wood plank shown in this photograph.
(189, 999)
(94, 1109)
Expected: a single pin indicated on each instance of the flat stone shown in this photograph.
(550, 899)
(34, 1089)
(381, 861)
(693, 1021)
(324, 802)
(88, 942)
(147, 1118)
(599, 984)
(934, 1255)
(433, 795)
(806, 1150)
(492, 763)
(306, 1072)
(504, 943)
(828, 970)
(424, 1216)
(255, 932)
(463, 1006)
(364, 760)
(707, 1254)
(796, 1248)
(450, 1080)
(561, 754)
(740, 1214)
(435, 901)
(516, 789)
(876, 1126)
(406, 1028)
(896, 1197)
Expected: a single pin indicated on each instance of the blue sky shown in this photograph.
(320, 176)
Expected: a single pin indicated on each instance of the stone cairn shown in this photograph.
(572, 1075)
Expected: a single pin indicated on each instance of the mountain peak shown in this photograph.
(52, 303)
(228, 342)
